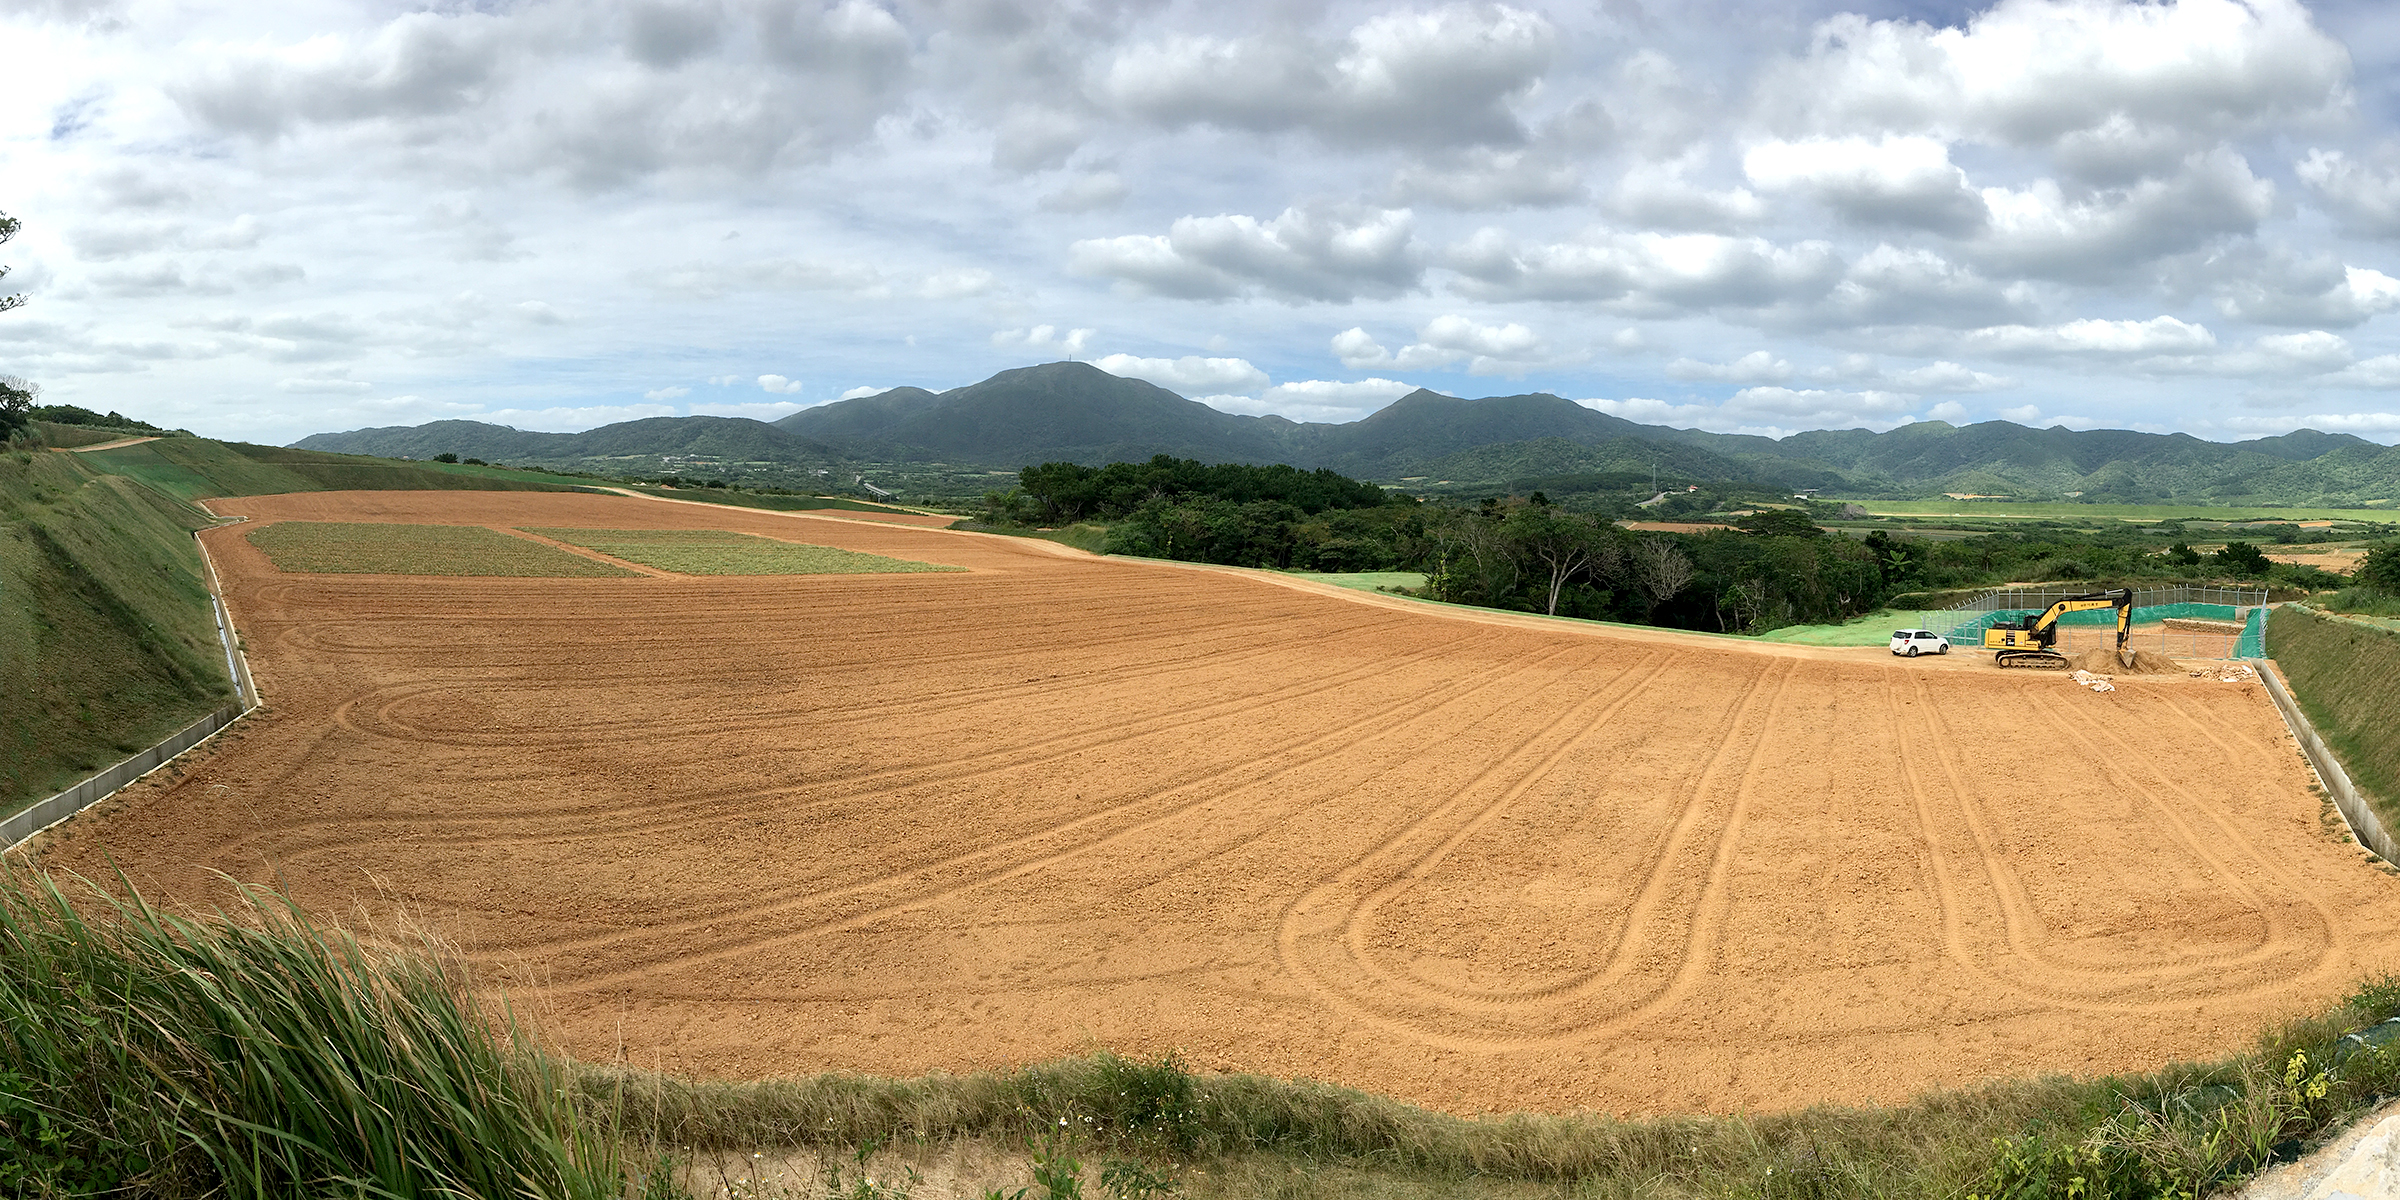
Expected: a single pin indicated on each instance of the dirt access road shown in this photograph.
(754, 826)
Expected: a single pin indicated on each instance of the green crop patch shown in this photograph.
(722, 552)
(375, 548)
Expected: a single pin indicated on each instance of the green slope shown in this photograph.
(190, 468)
(110, 640)
(2341, 672)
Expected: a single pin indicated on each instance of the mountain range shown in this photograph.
(1076, 412)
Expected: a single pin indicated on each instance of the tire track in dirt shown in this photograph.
(2022, 932)
(384, 723)
(498, 827)
(1297, 755)
(1559, 1013)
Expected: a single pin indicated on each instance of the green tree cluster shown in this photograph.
(1059, 493)
(1528, 554)
(16, 395)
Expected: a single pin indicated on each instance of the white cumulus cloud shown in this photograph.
(1186, 374)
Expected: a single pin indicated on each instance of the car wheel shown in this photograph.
(1912, 651)
(1944, 650)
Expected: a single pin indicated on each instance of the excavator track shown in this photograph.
(2049, 660)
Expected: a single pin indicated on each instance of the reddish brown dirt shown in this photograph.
(755, 826)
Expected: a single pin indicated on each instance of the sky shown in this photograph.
(266, 221)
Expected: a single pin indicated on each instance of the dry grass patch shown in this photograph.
(376, 548)
(723, 552)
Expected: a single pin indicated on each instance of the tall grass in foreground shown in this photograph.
(2176, 1132)
(259, 1053)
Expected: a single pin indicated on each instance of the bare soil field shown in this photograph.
(748, 826)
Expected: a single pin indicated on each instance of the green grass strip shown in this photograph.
(375, 548)
(722, 552)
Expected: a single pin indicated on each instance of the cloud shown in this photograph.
(2093, 336)
(740, 91)
(1889, 285)
(2106, 84)
(666, 393)
(780, 385)
(1645, 274)
(2363, 196)
(1440, 77)
(1758, 366)
(713, 280)
(1045, 338)
(1660, 196)
(1482, 177)
(2379, 372)
(2357, 423)
(2282, 355)
(325, 386)
(1496, 349)
(1337, 255)
(957, 285)
(127, 239)
(1187, 374)
(2044, 232)
(1085, 193)
(861, 393)
(1943, 377)
(1316, 399)
(2320, 292)
(1906, 181)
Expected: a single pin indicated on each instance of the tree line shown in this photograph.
(1767, 569)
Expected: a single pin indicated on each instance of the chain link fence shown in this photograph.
(2179, 622)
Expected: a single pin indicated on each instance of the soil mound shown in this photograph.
(2144, 662)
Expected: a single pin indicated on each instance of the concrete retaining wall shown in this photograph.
(2364, 824)
(16, 829)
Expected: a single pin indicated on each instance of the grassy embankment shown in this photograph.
(2341, 672)
(1083, 535)
(190, 468)
(147, 1054)
(104, 608)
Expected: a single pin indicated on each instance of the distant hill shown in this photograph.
(1054, 412)
(1079, 413)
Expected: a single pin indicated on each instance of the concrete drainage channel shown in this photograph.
(2364, 824)
(17, 830)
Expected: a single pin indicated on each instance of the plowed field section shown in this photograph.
(894, 823)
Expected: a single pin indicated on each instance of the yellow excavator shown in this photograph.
(2031, 642)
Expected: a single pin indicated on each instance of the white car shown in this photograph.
(1913, 642)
